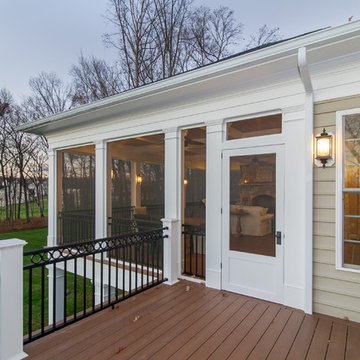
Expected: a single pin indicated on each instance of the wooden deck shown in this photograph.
(190, 321)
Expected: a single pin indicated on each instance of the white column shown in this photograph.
(100, 190)
(52, 197)
(11, 299)
(172, 250)
(59, 284)
(171, 265)
(214, 137)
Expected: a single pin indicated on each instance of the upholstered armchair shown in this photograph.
(250, 220)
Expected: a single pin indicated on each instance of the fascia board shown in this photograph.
(276, 52)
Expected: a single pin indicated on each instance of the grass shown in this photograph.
(36, 239)
(36, 212)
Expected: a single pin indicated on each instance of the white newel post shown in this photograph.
(214, 138)
(171, 266)
(172, 244)
(59, 283)
(11, 299)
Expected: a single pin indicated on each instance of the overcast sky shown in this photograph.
(48, 35)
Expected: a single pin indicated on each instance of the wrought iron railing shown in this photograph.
(194, 250)
(78, 274)
(76, 226)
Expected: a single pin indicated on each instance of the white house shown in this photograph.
(228, 150)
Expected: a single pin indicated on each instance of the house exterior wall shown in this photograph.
(335, 292)
(285, 97)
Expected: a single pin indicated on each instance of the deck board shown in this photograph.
(190, 321)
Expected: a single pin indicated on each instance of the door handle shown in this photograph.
(278, 237)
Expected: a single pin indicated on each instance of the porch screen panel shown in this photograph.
(136, 186)
(76, 194)
(252, 204)
(351, 191)
(194, 202)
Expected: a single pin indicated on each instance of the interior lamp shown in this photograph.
(324, 149)
(139, 179)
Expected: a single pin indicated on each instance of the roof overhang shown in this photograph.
(321, 46)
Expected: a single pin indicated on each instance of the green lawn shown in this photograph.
(36, 212)
(36, 239)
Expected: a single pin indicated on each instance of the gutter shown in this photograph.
(276, 51)
(309, 129)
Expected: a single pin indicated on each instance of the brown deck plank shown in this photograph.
(229, 344)
(245, 347)
(264, 346)
(139, 328)
(320, 341)
(303, 339)
(143, 334)
(199, 324)
(353, 343)
(287, 336)
(337, 344)
(124, 313)
(185, 344)
(201, 318)
(122, 309)
(210, 344)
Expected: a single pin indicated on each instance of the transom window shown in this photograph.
(348, 234)
(259, 126)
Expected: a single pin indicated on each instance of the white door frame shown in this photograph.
(274, 264)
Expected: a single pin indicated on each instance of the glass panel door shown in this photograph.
(252, 204)
(253, 200)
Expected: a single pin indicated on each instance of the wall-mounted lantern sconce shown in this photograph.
(185, 182)
(139, 179)
(324, 149)
(112, 174)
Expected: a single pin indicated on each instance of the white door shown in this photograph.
(252, 222)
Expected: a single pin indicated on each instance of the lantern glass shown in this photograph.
(323, 147)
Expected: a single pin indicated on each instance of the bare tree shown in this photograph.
(133, 37)
(94, 79)
(170, 28)
(212, 34)
(264, 35)
(49, 96)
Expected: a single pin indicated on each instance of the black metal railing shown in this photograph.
(76, 226)
(78, 274)
(194, 250)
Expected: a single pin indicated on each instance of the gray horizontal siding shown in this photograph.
(336, 292)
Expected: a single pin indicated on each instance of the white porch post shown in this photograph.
(100, 190)
(101, 220)
(214, 137)
(172, 244)
(52, 216)
(11, 299)
(59, 284)
(105, 293)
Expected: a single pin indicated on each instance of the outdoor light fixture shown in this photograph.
(324, 149)
(112, 174)
(185, 182)
(139, 179)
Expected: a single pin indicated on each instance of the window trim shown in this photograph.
(339, 206)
